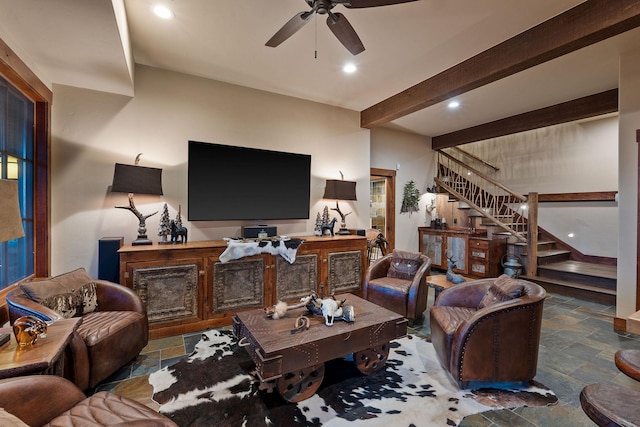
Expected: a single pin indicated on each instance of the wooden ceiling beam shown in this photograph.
(577, 109)
(588, 23)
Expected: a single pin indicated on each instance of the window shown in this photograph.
(17, 163)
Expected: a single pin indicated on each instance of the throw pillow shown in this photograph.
(70, 294)
(37, 290)
(64, 304)
(404, 265)
(503, 289)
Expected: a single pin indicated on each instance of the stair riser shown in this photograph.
(578, 293)
(598, 282)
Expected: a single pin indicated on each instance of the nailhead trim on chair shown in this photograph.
(482, 320)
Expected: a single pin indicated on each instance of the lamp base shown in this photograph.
(343, 231)
(142, 240)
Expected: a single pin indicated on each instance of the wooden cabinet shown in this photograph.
(186, 288)
(476, 256)
(485, 256)
(439, 245)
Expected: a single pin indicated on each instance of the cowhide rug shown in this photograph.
(216, 386)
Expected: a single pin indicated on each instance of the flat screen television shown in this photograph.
(236, 183)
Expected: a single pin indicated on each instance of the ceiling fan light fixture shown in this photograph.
(162, 12)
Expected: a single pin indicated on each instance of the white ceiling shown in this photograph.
(79, 43)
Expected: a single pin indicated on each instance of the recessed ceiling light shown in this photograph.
(349, 68)
(453, 105)
(163, 12)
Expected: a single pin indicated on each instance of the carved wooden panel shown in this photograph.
(169, 292)
(297, 280)
(238, 285)
(345, 272)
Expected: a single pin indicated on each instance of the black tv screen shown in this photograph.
(237, 183)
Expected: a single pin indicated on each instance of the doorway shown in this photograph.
(382, 203)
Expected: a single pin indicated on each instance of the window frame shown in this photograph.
(18, 74)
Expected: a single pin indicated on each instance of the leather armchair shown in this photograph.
(496, 343)
(106, 340)
(406, 296)
(40, 399)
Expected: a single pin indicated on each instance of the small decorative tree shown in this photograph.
(164, 228)
(179, 217)
(410, 198)
(325, 215)
(318, 228)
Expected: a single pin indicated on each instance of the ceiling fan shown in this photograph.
(337, 22)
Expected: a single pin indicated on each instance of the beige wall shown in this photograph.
(416, 161)
(91, 131)
(571, 157)
(629, 103)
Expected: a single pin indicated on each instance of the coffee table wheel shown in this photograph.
(371, 360)
(300, 385)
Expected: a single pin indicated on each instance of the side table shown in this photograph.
(46, 356)
(439, 283)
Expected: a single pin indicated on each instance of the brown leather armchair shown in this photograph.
(497, 342)
(107, 339)
(41, 399)
(398, 282)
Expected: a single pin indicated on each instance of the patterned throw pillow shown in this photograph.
(70, 294)
(64, 304)
(404, 265)
(503, 289)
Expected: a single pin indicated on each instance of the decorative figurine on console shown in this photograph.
(177, 229)
(329, 226)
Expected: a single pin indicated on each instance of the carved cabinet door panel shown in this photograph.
(239, 284)
(344, 272)
(297, 280)
(171, 290)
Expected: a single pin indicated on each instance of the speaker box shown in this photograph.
(253, 231)
(108, 258)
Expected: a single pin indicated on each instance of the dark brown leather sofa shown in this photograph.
(496, 343)
(406, 291)
(106, 340)
(41, 399)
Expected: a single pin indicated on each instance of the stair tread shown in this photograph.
(552, 252)
(583, 268)
(569, 284)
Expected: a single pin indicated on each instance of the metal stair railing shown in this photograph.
(493, 200)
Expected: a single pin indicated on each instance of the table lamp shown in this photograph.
(340, 190)
(10, 218)
(137, 179)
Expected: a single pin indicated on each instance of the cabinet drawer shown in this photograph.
(480, 244)
(478, 253)
(479, 268)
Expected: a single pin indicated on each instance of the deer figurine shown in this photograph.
(451, 276)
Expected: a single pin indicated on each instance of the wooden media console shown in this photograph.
(187, 289)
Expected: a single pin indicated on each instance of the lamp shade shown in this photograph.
(10, 218)
(340, 190)
(137, 179)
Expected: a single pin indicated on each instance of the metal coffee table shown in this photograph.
(292, 360)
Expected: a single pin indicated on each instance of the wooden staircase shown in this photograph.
(560, 274)
(558, 267)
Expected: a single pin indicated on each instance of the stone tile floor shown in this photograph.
(577, 348)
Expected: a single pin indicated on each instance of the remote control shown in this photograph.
(4, 338)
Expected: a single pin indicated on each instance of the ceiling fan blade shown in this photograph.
(289, 29)
(344, 32)
(356, 4)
